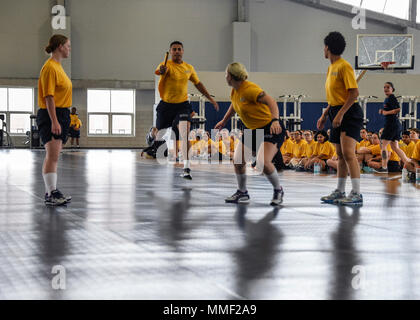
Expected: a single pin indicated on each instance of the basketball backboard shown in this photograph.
(373, 49)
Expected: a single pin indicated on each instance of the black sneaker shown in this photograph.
(55, 199)
(381, 170)
(277, 197)
(300, 169)
(411, 177)
(187, 174)
(238, 197)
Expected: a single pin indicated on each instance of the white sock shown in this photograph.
(274, 179)
(355, 183)
(50, 181)
(186, 164)
(341, 186)
(241, 182)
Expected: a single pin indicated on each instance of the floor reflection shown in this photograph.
(257, 257)
(174, 224)
(344, 254)
(51, 226)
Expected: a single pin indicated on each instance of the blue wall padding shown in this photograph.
(311, 111)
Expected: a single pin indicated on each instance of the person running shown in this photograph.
(174, 108)
(392, 128)
(346, 117)
(257, 110)
(53, 117)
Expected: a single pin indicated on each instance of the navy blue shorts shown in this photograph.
(394, 166)
(169, 114)
(392, 131)
(351, 124)
(74, 133)
(276, 139)
(44, 124)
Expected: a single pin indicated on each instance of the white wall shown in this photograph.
(288, 36)
(126, 39)
(115, 39)
(25, 28)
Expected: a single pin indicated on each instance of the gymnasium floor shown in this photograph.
(134, 231)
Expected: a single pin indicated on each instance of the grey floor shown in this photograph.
(135, 230)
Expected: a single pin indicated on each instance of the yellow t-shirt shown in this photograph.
(408, 149)
(364, 143)
(376, 150)
(299, 149)
(252, 113)
(75, 121)
(287, 147)
(416, 152)
(173, 85)
(310, 148)
(326, 149)
(53, 81)
(340, 78)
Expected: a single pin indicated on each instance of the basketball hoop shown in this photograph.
(387, 65)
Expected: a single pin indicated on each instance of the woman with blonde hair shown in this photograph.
(257, 110)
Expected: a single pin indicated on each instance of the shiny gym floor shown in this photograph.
(136, 230)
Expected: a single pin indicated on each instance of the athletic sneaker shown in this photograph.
(300, 169)
(335, 195)
(277, 197)
(56, 198)
(411, 177)
(381, 170)
(353, 199)
(186, 174)
(238, 197)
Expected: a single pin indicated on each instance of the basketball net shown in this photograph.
(387, 66)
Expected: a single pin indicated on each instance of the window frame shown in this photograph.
(110, 114)
(7, 113)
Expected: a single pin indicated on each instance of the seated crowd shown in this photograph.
(304, 148)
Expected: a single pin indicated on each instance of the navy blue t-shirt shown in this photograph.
(391, 103)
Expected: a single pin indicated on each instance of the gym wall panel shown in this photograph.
(288, 36)
(127, 39)
(25, 27)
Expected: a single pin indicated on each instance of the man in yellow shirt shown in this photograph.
(415, 159)
(346, 117)
(75, 124)
(299, 149)
(174, 109)
(408, 145)
(286, 148)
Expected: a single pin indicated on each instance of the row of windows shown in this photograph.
(110, 112)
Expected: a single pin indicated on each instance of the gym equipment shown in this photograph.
(409, 120)
(35, 140)
(294, 120)
(235, 123)
(199, 121)
(363, 100)
(8, 142)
